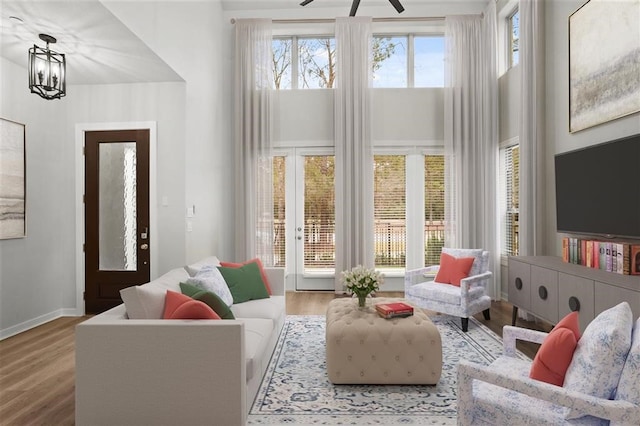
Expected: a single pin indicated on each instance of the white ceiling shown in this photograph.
(99, 48)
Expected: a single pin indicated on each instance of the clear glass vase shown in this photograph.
(362, 301)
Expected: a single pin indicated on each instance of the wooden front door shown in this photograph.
(117, 240)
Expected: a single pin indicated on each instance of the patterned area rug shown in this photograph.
(296, 389)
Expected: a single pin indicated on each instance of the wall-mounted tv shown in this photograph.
(598, 189)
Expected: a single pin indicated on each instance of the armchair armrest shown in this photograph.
(414, 276)
(622, 411)
(510, 334)
(466, 283)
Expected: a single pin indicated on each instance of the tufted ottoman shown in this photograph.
(363, 347)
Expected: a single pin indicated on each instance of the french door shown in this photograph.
(305, 215)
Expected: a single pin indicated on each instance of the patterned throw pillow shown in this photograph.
(600, 355)
(209, 278)
(629, 386)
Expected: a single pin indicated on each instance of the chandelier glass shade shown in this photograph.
(47, 71)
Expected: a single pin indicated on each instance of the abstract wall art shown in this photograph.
(12, 179)
(604, 58)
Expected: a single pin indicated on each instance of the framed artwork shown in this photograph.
(604, 55)
(12, 179)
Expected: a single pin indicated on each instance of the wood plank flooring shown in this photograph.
(37, 377)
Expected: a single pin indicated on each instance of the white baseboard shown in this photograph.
(35, 322)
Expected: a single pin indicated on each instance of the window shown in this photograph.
(510, 184)
(282, 62)
(390, 225)
(397, 61)
(279, 212)
(428, 61)
(433, 208)
(514, 38)
(316, 63)
(389, 62)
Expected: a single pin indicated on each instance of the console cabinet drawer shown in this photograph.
(519, 284)
(608, 296)
(544, 293)
(576, 294)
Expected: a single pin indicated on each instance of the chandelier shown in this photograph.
(47, 70)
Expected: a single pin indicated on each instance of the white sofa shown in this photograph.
(176, 372)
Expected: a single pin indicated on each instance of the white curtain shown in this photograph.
(354, 155)
(532, 161)
(253, 84)
(471, 136)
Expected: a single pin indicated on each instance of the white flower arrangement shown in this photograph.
(361, 281)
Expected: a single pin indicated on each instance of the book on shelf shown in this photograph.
(394, 309)
(617, 257)
(634, 259)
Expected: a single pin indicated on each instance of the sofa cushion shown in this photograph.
(210, 299)
(257, 261)
(194, 268)
(555, 354)
(257, 333)
(210, 279)
(272, 308)
(143, 302)
(181, 306)
(453, 269)
(245, 282)
(600, 355)
(629, 385)
(170, 281)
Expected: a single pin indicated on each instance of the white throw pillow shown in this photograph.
(600, 355)
(194, 268)
(629, 386)
(143, 301)
(209, 278)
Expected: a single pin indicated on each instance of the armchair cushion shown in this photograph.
(444, 293)
(453, 269)
(600, 355)
(554, 356)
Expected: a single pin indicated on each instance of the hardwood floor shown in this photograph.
(37, 377)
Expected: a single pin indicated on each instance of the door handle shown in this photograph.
(144, 247)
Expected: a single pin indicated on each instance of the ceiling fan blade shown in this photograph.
(354, 7)
(305, 2)
(397, 5)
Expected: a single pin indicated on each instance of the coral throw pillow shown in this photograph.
(181, 306)
(556, 352)
(453, 269)
(262, 273)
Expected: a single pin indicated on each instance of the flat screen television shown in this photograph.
(598, 189)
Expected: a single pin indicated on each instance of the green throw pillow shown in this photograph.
(209, 298)
(245, 282)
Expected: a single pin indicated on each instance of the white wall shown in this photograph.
(557, 108)
(37, 273)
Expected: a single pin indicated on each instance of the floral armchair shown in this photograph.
(602, 385)
(469, 299)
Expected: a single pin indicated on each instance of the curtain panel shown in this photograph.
(471, 136)
(531, 121)
(353, 147)
(253, 165)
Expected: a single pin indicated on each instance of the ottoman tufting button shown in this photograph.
(362, 341)
(373, 357)
(408, 341)
(433, 342)
(408, 373)
(349, 358)
(386, 374)
(397, 357)
(421, 358)
(361, 373)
